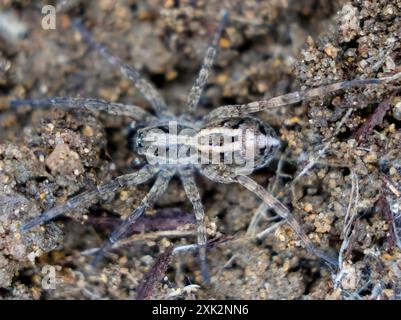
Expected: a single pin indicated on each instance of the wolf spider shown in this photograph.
(224, 121)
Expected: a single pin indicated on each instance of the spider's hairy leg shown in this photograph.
(283, 212)
(87, 197)
(118, 109)
(199, 85)
(192, 192)
(156, 191)
(295, 97)
(145, 87)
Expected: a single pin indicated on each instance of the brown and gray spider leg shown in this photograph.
(192, 192)
(118, 109)
(156, 191)
(87, 197)
(263, 208)
(199, 85)
(283, 212)
(145, 87)
(230, 111)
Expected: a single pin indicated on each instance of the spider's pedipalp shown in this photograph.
(199, 85)
(145, 87)
(114, 108)
(230, 111)
(156, 191)
(283, 212)
(86, 197)
(192, 192)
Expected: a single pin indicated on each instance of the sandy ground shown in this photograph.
(348, 201)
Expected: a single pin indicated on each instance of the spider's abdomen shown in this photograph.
(240, 144)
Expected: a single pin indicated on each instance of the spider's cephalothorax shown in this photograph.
(167, 143)
(225, 146)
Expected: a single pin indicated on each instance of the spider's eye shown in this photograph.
(136, 141)
(139, 140)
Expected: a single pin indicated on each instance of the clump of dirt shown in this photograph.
(357, 175)
(348, 201)
(19, 166)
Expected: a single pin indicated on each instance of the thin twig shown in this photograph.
(155, 274)
(350, 217)
(261, 235)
